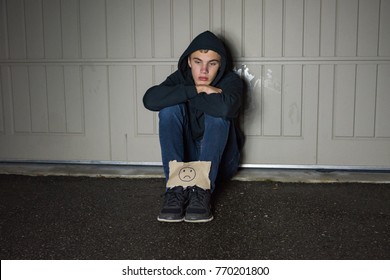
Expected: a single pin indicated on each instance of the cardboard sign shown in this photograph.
(187, 174)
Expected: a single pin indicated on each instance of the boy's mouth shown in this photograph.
(203, 79)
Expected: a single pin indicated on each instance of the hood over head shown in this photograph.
(204, 41)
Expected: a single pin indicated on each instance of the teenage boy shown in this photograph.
(198, 106)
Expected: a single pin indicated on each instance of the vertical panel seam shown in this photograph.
(283, 50)
(134, 31)
(191, 18)
(320, 32)
(282, 93)
(223, 27)
(376, 101)
(25, 29)
(354, 104)
(357, 30)
(106, 28)
(333, 99)
(318, 111)
(29, 97)
(171, 32)
(243, 4)
(61, 32)
(107, 69)
(12, 105)
(6, 37)
(336, 31)
(131, 28)
(47, 101)
(81, 55)
(302, 103)
(210, 15)
(126, 147)
(81, 76)
(43, 29)
(135, 122)
(261, 100)
(2, 102)
(379, 28)
(304, 28)
(155, 115)
(263, 28)
(153, 39)
(65, 99)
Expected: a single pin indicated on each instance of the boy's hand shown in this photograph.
(207, 89)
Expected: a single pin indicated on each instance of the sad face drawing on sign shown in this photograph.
(187, 174)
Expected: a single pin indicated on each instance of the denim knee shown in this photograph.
(175, 112)
(216, 122)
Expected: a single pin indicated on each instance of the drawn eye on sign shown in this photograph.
(187, 174)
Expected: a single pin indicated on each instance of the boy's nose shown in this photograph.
(204, 69)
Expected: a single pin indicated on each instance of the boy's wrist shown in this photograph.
(207, 89)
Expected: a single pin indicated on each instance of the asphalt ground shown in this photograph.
(54, 217)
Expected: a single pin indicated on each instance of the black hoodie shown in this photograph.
(179, 87)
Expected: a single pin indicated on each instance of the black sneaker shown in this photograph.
(199, 208)
(173, 207)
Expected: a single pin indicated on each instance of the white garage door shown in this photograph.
(73, 74)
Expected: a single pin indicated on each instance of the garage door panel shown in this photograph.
(365, 100)
(291, 95)
(73, 122)
(272, 101)
(356, 140)
(39, 105)
(343, 100)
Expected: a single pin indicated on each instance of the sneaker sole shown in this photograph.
(170, 221)
(199, 220)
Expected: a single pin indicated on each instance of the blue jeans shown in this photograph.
(218, 144)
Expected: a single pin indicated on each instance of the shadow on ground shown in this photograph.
(101, 218)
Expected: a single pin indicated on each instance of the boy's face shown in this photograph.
(204, 66)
